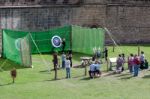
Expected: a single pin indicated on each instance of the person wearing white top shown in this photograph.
(142, 60)
(67, 65)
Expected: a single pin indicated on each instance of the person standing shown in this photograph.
(119, 64)
(124, 60)
(63, 58)
(55, 62)
(98, 53)
(142, 60)
(67, 65)
(70, 57)
(130, 63)
(136, 65)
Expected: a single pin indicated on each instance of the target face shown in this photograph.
(56, 41)
(18, 44)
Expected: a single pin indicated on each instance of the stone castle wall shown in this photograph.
(127, 20)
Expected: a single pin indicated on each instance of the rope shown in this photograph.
(2, 65)
(111, 36)
(39, 52)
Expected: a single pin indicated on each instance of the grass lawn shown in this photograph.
(38, 83)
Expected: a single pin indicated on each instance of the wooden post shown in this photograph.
(138, 50)
(113, 48)
(107, 65)
(85, 69)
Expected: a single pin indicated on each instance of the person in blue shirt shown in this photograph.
(92, 70)
(97, 68)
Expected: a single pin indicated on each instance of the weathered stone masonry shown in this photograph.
(127, 20)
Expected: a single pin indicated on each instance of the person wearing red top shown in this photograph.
(136, 62)
(130, 63)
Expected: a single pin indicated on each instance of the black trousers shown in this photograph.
(142, 65)
(91, 74)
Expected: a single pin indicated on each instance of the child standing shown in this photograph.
(13, 73)
(67, 64)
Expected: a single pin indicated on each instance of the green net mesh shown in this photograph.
(85, 39)
(43, 39)
(77, 38)
(25, 51)
(11, 45)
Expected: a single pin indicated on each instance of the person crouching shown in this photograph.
(92, 70)
(97, 69)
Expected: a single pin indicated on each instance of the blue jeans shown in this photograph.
(67, 72)
(136, 70)
(131, 69)
(63, 64)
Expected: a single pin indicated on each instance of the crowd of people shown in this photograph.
(66, 61)
(96, 62)
(135, 63)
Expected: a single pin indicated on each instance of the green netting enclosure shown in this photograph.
(19, 45)
(85, 39)
(12, 45)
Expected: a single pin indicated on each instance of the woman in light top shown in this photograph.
(67, 65)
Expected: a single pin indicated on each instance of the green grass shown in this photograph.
(6, 65)
(38, 83)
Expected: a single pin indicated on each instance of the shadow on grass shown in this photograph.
(122, 75)
(45, 72)
(110, 74)
(48, 72)
(146, 77)
(78, 76)
(6, 84)
(86, 78)
(64, 78)
(126, 78)
(55, 79)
